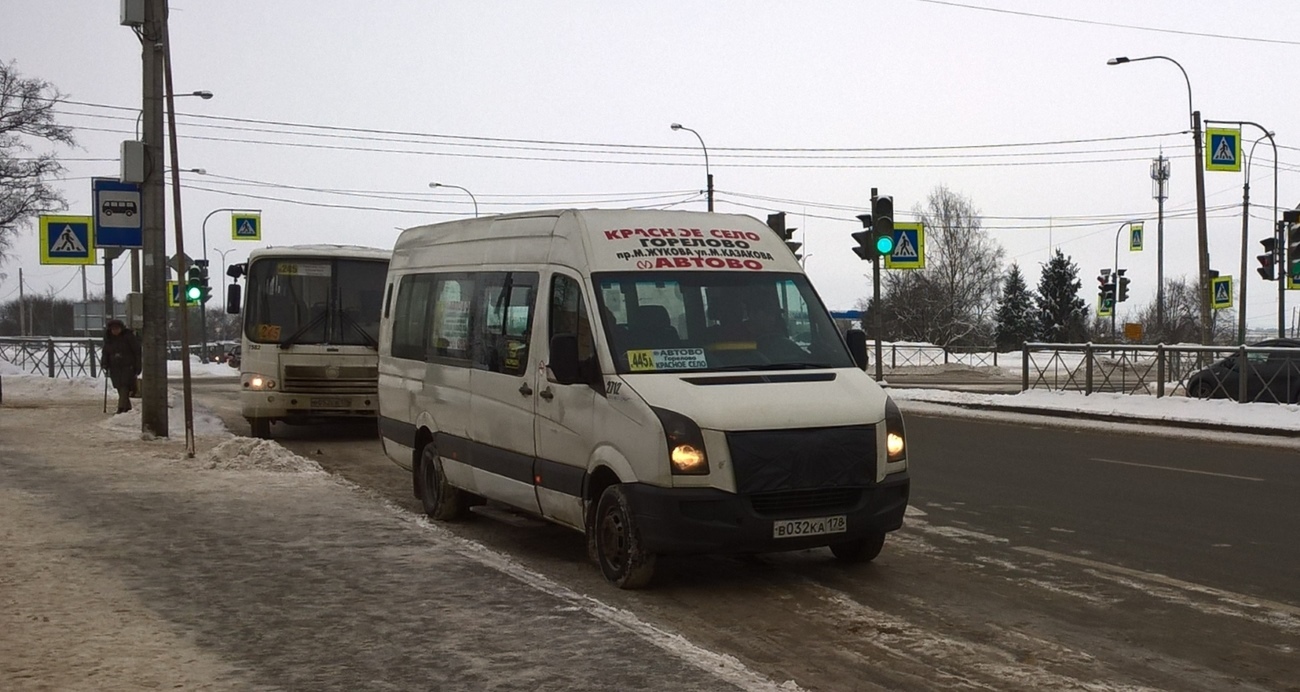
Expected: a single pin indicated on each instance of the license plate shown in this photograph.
(330, 402)
(791, 528)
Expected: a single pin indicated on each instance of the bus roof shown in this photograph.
(321, 250)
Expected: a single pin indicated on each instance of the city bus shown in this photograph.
(310, 333)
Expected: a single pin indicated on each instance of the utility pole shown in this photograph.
(1202, 235)
(1160, 190)
(153, 341)
(180, 238)
(22, 305)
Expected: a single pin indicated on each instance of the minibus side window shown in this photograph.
(408, 325)
(450, 328)
(569, 316)
(504, 320)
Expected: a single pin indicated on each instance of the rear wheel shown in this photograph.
(859, 550)
(441, 501)
(260, 428)
(619, 552)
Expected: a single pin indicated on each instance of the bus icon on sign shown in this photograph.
(112, 207)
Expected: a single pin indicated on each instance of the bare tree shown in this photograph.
(952, 301)
(27, 114)
(1183, 317)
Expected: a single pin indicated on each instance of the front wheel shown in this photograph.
(441, 501)
(859, 550)
(260, 428)
(619, 552)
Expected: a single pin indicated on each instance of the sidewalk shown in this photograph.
(128, 566)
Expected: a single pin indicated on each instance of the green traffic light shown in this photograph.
(885, 244)
(193, 293)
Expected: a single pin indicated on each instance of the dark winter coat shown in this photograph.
(121, 357)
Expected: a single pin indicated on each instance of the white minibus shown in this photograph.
(666, 382)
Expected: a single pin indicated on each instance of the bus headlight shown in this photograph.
(895, 435)
(685, 444)
(259, 383)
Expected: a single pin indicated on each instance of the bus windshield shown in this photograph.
(716, 321)
(314, 300)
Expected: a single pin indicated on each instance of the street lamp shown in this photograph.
(1245, 241)
(1114, 308)
(708, 176)
(223, 254)
(465, 190)
(1202, 237)
(202, 309)
(203, 94)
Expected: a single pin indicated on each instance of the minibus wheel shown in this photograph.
(623, 561)
(441, 501)
(859, 550)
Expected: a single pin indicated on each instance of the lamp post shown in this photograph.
(1202, 237)
(708, 176)
(1245, 250)
(465, 190)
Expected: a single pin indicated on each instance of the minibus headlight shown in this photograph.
(895, 435)
(685, 444)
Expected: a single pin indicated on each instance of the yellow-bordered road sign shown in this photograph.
(246, 226)
(1104, 310)
(1221, 292)
(1135, 237)
(67, 240)
(1222, 149)
(173, 294)
(909, 247)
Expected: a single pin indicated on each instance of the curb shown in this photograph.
(1115, 418)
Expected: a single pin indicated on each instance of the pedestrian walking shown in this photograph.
(121, 360)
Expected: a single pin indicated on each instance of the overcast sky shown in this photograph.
(907, 89)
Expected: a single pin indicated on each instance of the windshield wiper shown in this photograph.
(370, 340)
(293, 338)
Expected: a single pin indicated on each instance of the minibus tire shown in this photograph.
(260, 428)
(440, 500)
(622, 559)
(859, 550)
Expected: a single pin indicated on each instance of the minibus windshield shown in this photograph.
(315, 300)
(716, 321)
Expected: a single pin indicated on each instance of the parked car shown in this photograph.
(1271, 376)
(232, 358)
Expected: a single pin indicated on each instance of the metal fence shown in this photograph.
(1240, 373)
(907, 355)
(52, 357)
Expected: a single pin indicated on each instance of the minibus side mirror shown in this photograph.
(858, 347)
(564, 358)
(233, 296)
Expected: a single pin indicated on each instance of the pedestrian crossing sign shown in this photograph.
(67, 240)
(1135, 237)
(246, 226)
(1221, 292)
(1222, 149)
(1105, 308)
(909, 247)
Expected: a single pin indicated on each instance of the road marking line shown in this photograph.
(1158, 578)
(1174, 468)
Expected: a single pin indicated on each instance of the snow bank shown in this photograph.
(199, 369)
(21, 387)
(206, 423)
(248, 454)
(1182, 409)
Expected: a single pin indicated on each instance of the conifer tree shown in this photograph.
(1062, 314)
(1016, 317)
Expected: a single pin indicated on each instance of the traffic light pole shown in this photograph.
(877, 316)
(1245, 240)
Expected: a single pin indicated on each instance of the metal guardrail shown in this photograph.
(926, 355)
(1240, 373)
(52, 357)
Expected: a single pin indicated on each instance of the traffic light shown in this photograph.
(1106, 290)
(193, 285)
(205, 293)
(882, 225)
(1292, 219)
(1268, 260)
(1122, 285)
(776, 222)
(866, 248)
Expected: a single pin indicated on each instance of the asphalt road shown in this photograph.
(1035, 557)
(1217, 514)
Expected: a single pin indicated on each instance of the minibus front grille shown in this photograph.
(770, 461)
(806, 502)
